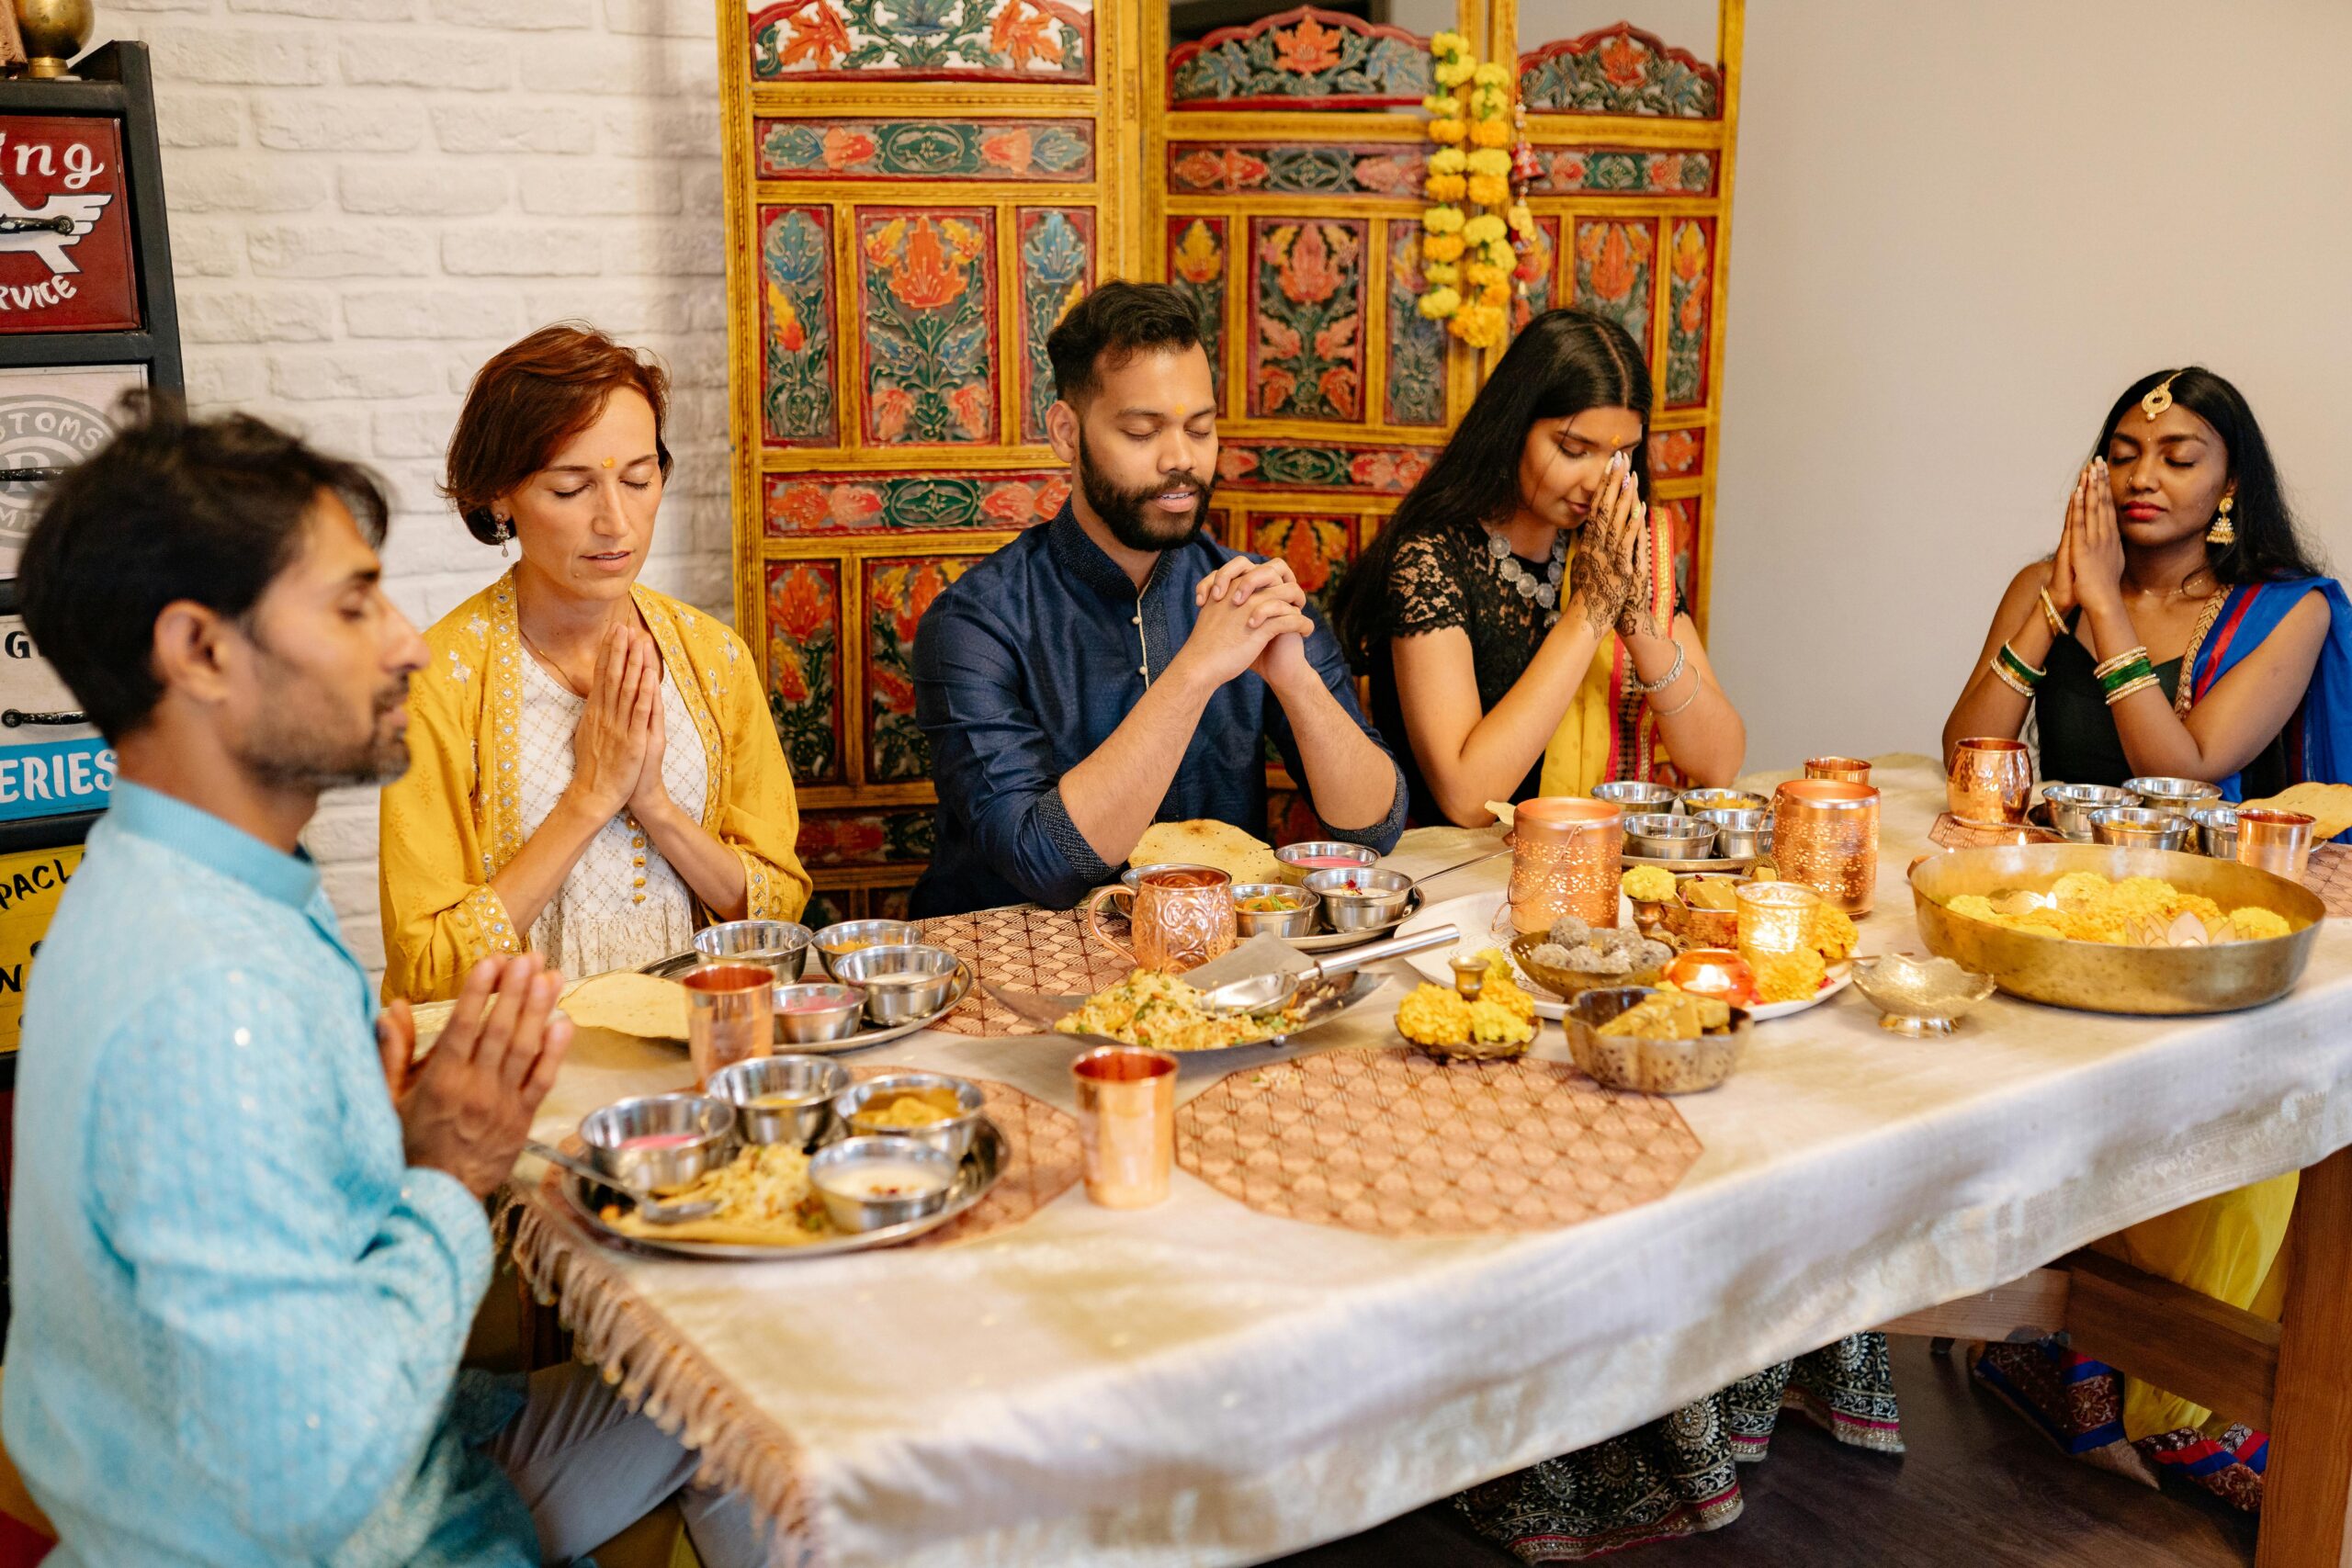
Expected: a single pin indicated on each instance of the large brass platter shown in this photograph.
(2096, 977)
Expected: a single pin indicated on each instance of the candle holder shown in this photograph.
(1776, 917)
(1842, 770)
(1824, 835)
(1563, 861)
(1992, 780)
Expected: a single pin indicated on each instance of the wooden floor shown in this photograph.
(1977, 1487)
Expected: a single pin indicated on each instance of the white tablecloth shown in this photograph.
(1198, 1383)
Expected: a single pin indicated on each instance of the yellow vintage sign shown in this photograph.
(30, 881)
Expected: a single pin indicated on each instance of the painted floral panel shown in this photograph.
(1534, 278)
(1416, 389)
(1615, 264)
(1302, 59)
(928, 293)
(796, 326)
(863, 838)
(1296, 169)
(1196, 266)
(1576, 169)
(1676, 454)
(1681, 518)
(1620, 70)
(1690, 291)
(1306, 310)
(881, 503)
(897, 594)
(1015, 40)
(1054, 253)
(1045, 150)
(1283, 465)
(1318, 548)
(804, 627)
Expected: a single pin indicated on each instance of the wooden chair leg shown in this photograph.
(2307, 1489)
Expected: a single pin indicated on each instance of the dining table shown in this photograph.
(1204, 1381)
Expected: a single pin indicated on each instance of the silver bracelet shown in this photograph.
(1696, 687)
(1649, 688)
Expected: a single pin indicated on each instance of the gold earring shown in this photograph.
(2223, 532)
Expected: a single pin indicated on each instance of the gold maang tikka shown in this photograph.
(2160, 399)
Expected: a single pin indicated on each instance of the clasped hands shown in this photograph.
(1253, 616)
(2088, 567)
(1608, 566)
(466, 1108)
(617, 749)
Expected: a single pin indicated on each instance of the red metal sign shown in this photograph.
(65, 253)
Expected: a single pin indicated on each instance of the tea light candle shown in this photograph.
(1775, 917)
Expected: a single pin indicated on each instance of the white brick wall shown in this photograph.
(368, 197)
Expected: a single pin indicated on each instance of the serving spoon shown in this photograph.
(653, 1211)
(1260, 993)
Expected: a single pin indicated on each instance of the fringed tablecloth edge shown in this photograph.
(636, 1349)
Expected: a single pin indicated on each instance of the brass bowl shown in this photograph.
(1649, 1066)
(1919, 997)
(1569, 984)
(2101, 978)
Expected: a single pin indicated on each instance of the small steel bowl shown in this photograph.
(816, 1011)
(952, 1138)
(1655, 836)
(2071, 805)
(703, 1124)
(2174, 795)
(1740, 835)
(780, 946)
(1650, 1066)
(1696, 800)
(800, 1089)
(2217, 830)
(2141, 828)
(1294, 857)
(902, 981)
(1361, 899)
(1295, 919)
(838, 941)
(831, 1169)
(1639, 795)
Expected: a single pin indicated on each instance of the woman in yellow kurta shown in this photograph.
(595, 773)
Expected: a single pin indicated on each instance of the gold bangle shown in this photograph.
(2131, 688)
(2109, 666)
(2049, 613)
(2001, 672)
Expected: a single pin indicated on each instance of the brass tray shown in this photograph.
(2099, 977)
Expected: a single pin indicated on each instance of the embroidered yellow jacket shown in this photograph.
(451, 823)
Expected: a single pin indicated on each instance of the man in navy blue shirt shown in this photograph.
(1116, 667)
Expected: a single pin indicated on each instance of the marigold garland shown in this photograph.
(1468, 261)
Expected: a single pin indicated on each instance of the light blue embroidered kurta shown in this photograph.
(238, 1312)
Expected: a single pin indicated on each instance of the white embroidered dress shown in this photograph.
(622, 905)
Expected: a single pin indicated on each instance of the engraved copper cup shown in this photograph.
(1824, 835)
(1844, 769)
(2276, 841)
(1182, 916)
(1992, 779)
(1563, 861)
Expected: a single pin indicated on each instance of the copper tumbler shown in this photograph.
(1126, 1124)
(1563, 861)
(730, 1014)
(1845, 770)
(1992, 779)
(1824, 835)
(2276, 841)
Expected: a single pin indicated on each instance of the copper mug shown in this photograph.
(1563, 861)
(1992, 779)
(1178, 917)
(1844, 769)
(2276, 841)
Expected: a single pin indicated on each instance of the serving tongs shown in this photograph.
(651, 1210)
(1263, 993)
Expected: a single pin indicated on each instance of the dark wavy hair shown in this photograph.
(1561, 364)
(2269, 545)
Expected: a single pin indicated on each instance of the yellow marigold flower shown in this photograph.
(1446, 131)
(1491, 1020)
(1787, 976)
(1481, 230)
(1443, 220)
(1648, 884)
(1488, 161)
(1447, 44)
(1442, 271)
(1446, 188)
(1439, 105)
(1434, 1015)
(1441, 247)
(1439, 303)
(1490, 132)
(1833, 935)
(1451, 73)
(1491, 74)
(1482, 275)
(1489, 190)
(1448, 160)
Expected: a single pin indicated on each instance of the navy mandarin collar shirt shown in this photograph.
(1027, 663)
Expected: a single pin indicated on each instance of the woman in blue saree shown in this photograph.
(2183, 629)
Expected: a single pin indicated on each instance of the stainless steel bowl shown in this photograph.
(836, 941)
(798, 1092)
(2071, 805)
(1291, 855)
(1361, 900)
(1638, 796)
(952, 1137)
(1655, 836)
(816, 1011)
(2174, 795)
(2141, 828)
(902, 982)
(1649, 1066)
(1696, 800)
(834, 1173)
(2217, 830)
(1297, 918)
(780, 946)
(1740, 835)
(688, 1133)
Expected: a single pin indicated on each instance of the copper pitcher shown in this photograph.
(1178, 917)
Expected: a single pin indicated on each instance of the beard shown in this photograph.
(1123, 510)
(296, 745)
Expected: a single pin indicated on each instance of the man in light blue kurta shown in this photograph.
(248, 1235)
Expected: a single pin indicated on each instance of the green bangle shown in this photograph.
(2019, 667)
(2115, 681)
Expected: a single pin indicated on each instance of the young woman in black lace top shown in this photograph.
(1503, 614)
